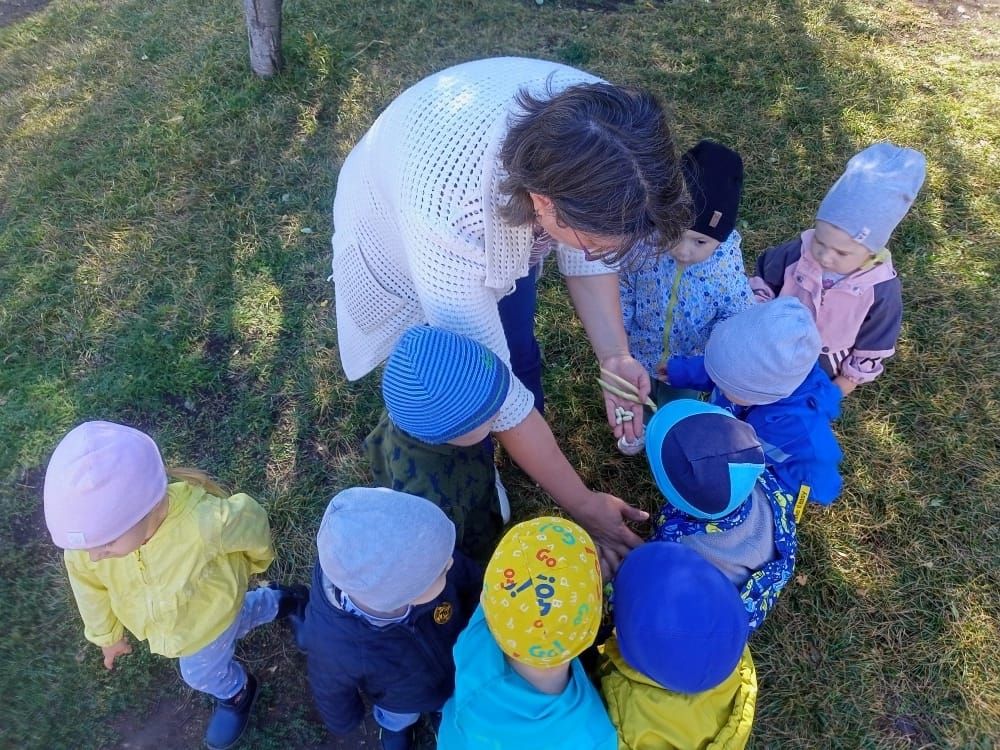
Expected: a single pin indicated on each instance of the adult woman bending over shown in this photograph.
(446, 208)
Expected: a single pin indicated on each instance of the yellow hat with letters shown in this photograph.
(542, 592)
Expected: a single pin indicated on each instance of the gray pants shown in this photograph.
(213, 669)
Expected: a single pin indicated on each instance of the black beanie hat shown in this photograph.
(714, 177)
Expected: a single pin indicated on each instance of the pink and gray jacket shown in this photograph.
(858, 318)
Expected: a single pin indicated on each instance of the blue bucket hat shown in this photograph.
(678, 619)
(438, 385)
(704, 460)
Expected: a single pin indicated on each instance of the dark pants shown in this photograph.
(517, 314)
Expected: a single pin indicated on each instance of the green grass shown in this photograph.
(164, 247)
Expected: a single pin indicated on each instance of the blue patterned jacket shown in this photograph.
(761, 591)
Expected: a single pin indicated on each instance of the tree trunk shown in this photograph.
(264, 30)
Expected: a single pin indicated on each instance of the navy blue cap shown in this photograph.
(704, 460)
(678, 619)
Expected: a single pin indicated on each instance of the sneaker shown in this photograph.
(401, 740)
(230, 717)
(633, 448)
(502, 497)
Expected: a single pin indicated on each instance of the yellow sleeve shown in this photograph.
(100, 625)
(245, 529)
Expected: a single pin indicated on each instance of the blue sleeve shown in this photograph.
(626, 293)
(331, 681)
(801, 449)
(467, 576)
(689, 372)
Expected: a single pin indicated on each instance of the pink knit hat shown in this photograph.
(102, 479)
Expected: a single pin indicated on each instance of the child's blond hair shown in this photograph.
(198, 478)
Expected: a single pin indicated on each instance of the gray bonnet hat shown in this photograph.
(763, 354)
(873, 195)
(383, 548)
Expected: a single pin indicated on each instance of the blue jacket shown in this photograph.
(760, 592)
(796, 433)
(494, 708)
(406, 667)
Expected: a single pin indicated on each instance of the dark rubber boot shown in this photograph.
(230, 717)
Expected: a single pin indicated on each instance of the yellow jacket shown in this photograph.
(184, 586)
(650, 717)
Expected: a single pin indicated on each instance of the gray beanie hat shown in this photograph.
(764, 353)
(873, 195)
(382, 547)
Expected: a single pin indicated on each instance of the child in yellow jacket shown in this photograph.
(677, 674)
(170, 563)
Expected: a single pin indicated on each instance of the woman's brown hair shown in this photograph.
(605, 156)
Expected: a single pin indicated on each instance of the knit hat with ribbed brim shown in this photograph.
(678, 619)
(704, 460)
(874, 193)
(714, 178)
(383, 548)
(102, 479)
(764, 353)
(438, 385)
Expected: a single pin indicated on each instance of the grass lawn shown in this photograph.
(164, 248)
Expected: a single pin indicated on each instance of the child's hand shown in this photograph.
(115, 650)
(846, 386)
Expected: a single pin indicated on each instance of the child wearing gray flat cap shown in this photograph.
(392, 595)
(841, 269)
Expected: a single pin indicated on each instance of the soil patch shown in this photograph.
(963, 11)
(15, 10)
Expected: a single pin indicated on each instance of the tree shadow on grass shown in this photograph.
(151, 278)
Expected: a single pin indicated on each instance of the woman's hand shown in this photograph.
(533, 447)
(628, 368)
(604, 516)
(115, 650)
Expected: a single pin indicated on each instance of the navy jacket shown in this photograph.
(406, 667)
(795, 432)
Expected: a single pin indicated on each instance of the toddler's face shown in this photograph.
(694, 247)
(435, 589)
(124, 545)
(835, 251)
(475, 436)
(135, 537)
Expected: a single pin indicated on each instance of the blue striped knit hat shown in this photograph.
(438, 385)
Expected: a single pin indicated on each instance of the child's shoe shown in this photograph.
(230, 717)
(502, 497)
(401, 740)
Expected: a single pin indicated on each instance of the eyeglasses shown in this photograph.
(587, 252)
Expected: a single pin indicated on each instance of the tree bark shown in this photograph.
(264, 30)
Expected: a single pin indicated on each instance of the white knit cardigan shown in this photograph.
(417, 236)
